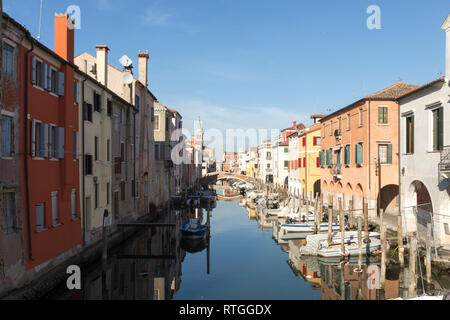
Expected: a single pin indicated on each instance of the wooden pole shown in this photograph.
(366, 223)
(383, 255)
(330, 223)
(412, 265)
(350, 208)
(428, 256)
(316, 214)
(400, 249)
(342, 225)
(360, 239)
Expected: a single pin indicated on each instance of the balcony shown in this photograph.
(444, 166)
(336, 171)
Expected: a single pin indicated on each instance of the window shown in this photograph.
(108, 150)
(361, 117)
(349, 122)
(75, 92)
(347, 155)
(317, 141)
(438, 129)
(383, 115)
(87, 112)
(96, 148)
(410, 135)
(108, 193)
(39, 139)
(97, 102)
(109, 107)
(40, 216)
(55, 211)
(321, 158)
(75, 140)
(286, 164)
(8, 61)
(138, 102)
(157, 151)
(88, 164)
(385, 153)
(157, 122)
(73, 198)
(331, 127)
(9, 212)
(39, 74)
(51, 141)
(269, 154)
(340, 125)
(359, 154)
(268, 166)
(7, 136)
(153, 114)
(51, 79)
(96, 202)
(286, 150)
(122, 190)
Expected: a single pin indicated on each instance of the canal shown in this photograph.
(246, 259)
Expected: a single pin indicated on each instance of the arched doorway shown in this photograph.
(388, 200)
(348, 196)
(358, 199)
(317, 189)
(419, 198)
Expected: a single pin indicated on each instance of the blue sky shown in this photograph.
(258, 64)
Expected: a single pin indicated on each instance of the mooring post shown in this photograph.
(342, 225)
(330, 224)
(366, 223)
(412, 265)
(401, 249)
(360, 240)
(428, 256)
(383, 255)
(350, 208)
(316, 214)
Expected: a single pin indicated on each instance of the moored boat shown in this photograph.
(193, 229)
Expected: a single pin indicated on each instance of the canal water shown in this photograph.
(246, 257)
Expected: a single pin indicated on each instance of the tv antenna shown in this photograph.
(40, 22)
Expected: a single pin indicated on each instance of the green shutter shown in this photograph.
(435, 129)
(389, 153)
(359, 154)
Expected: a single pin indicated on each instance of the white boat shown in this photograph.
(307, 227)
(313, 241)
(282, 212)
(335, 250)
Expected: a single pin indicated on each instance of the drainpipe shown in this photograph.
(399, 123)
(27, 185)
(83, 161)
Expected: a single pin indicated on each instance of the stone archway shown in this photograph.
(358, 199)
(317, 189)
(348, 196)
(388, 199)
(418, 205)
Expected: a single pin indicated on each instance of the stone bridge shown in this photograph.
(229, 199)
(215, 176)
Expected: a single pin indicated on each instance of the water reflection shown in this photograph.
(252, 258)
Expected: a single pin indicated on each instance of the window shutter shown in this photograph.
(46, 139)
(318, 162)
(75, 140)
(59, 146)
(412, 135)
(389, 153)
(42, 147)
(6, 136)
(43, 76)
(33, 138)
(33, 70)
(60, 83)
(304, 162)
(75, 98)
(39, 217)
(49, 77)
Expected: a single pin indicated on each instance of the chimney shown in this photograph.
(143, 67)
(295, 125)
(446, 28)
(102, 64)
(64, 36)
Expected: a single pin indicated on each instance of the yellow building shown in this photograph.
(309, 169)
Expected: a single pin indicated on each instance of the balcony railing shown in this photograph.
(336, 170)
(444, 164)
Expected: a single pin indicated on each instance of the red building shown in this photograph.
(49, 121)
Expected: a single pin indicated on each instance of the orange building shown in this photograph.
(354, 138)
(49, 120)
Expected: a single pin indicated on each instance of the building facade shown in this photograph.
(354, 140)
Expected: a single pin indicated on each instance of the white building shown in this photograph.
(294, 173)
(425, 155)
(265, 162)
(282, 176)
